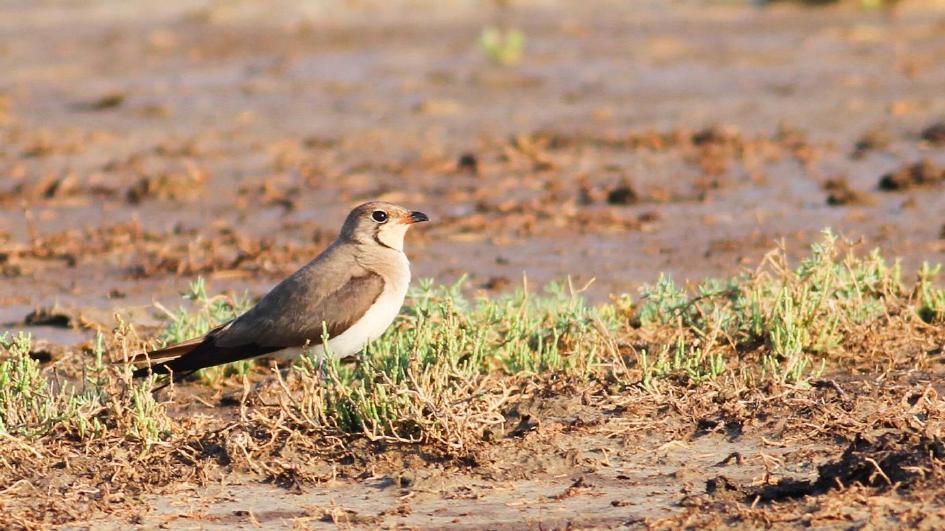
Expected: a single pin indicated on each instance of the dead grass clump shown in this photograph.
(875, 438)
(229, 250)
(923, 173)
(875, 139)
(169, 186)
(53, 188)
(898, 447)
(839, 193)
(893, 461)
(935, 133)
(73, 245)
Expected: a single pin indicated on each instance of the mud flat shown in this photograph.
(141, 148)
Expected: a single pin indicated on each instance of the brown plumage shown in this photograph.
(353, 289)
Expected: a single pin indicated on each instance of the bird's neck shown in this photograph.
(389, 263)
(391, 237)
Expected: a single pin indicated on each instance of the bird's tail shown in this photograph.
(156, 361)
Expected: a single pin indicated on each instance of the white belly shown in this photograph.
(368, 328)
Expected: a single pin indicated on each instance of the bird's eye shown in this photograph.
(379, 216)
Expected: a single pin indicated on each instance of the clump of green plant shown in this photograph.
(697, 361)
(796, 315)
(136, 412)
(425, 378)
(28, 405)
(210, 312)
(931, 299)
(553, 332)
(502, 47)
(33, 405)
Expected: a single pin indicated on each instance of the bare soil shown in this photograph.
(142, 145)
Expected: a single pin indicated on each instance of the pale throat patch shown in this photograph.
(392, 235)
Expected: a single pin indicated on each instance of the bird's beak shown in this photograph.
(415, 217)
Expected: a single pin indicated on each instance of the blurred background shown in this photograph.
(145, 143)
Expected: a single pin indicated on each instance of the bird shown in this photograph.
(353, 291)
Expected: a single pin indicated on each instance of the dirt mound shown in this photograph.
(892, 460)
(935, 133)
(840, 193)
(873, 140)
(921, 173)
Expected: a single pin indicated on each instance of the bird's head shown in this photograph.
(380, 223)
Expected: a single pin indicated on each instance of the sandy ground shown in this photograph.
(141, 146)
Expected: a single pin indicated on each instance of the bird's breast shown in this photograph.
(376, 320)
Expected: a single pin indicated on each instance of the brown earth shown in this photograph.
(143, 145)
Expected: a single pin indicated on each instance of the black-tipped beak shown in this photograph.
(417, 217)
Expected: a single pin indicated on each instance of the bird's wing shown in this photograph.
(294, 316)
(295, 313)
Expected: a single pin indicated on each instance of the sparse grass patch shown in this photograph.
(778, 321)
(103, 402)
(436, 372)
(96, 431)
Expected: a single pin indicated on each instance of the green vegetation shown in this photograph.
(104, 403)
(450, 363)
(425, 377)
(502, 47)
(26, 407)
(794, 318)
(931, 298)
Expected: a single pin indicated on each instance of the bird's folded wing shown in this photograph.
(299, 311)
